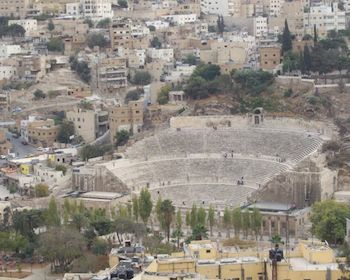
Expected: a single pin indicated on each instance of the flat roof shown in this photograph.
(101, 195)
(302, 264)
(29, 159)
(271, 206)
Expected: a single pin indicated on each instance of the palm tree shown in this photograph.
(167, 210)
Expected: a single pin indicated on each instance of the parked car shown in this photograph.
(24, 143)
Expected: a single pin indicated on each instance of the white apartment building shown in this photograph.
(139, 30)
(260, 27)
(161, 54)
(180, 19)
(7, 72)
(158, 24)
(94, 9)
(29, 25)
(325, 18)
(234, 7)
(8, 50)
(180, 72)
(215, 7)
(97, 8)
(73, 9)
(276, 7)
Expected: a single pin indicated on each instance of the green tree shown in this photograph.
(188, 218)
(178, 219)
(104, 23)
(41, 190)
(81, 68)
(145, 205)
(50, 25)
(60, 246)
(237, 221)
(159, 212)
(15, 30)
(89, 22)
(167, 210)
(252, 82)
(211, 219)
(220, 24)
(142, 78)
(307, 58)
(121, 137)
(194, 216)
(290, 62)
(196, 88)
(52, 216)
(100, 247)
(286, 38)
(163, 95)
(65, 132)
(227, 221)
(256, 221)
(96, 39)
(246, 225)
(123, 3)
(24, 222)
(190, 59)
(55, 44)
(61, 167)
(79, 221)
(39, 94)
(199, 232)
(207, 71)
(135, 208)
(133, 95)
(328, 220)
(315, 35)
(201, 216)
(156, 43)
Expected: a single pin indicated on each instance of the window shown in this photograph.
(208, 251)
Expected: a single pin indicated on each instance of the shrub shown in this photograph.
(121, 137)
(288, 93)
(39, 94)
(41, 190)
(62, 168)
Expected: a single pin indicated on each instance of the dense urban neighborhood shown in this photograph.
(175, 139)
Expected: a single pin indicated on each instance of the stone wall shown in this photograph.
(241, 122)
(303, 186)
(99, 178)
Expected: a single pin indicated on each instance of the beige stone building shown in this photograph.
(42, 132)
(31, 67)
(128, 117)
(89, 124)
(111, 74)
(5, 145)
(120, 34)
(15, 8)
(270, 57)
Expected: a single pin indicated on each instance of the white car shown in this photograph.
(3, 157)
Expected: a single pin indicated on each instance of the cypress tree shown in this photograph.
(286, 38)
(307, 58)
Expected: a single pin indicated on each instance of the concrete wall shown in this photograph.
(282, 123)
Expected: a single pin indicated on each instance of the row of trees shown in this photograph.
(207, 80)
(13, 30)
(326, 55)
(81, 67)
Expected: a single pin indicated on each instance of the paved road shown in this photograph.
(20, 149)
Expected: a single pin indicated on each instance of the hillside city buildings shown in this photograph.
(96, 106)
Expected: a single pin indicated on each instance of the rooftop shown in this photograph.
(303, 264)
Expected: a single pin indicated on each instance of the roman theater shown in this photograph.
(225, 161)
